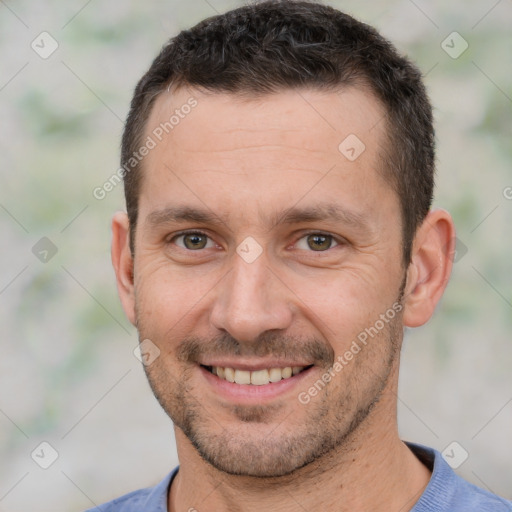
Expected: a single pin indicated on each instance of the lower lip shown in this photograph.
(251, 393)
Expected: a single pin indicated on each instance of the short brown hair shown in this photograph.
(271, 46)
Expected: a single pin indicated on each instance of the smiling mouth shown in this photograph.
(257, 377)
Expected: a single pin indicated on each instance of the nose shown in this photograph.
(251, 300)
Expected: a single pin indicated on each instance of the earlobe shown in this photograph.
(430, 267)
(123, 263)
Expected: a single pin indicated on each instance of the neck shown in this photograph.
(372, 470)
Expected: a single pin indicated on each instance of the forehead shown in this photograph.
(266, 149)
(325, 117)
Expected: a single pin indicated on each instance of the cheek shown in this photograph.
(167, 298)
(344, 307)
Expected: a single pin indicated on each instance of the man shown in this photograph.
(278, 164)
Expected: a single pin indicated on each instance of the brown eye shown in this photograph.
(193, 241)
(319, 242)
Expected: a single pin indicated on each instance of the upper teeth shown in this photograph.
(258, 377)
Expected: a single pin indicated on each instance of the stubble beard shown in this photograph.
(253, 444)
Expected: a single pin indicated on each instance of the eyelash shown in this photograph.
(338, 241)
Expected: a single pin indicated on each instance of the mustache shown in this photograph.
(194, 348)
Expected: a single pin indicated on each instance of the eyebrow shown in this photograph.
(322, 212)
(294, 215)
(178, 214)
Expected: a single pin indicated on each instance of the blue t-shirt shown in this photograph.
(446, 492)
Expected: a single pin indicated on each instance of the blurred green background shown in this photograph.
(68, 373)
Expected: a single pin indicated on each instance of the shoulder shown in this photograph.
(127, 503)
(150, 499)
(447, 491)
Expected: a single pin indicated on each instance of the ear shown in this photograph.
(430, 268)
(123, 263)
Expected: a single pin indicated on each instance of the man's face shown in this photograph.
(296, 251)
